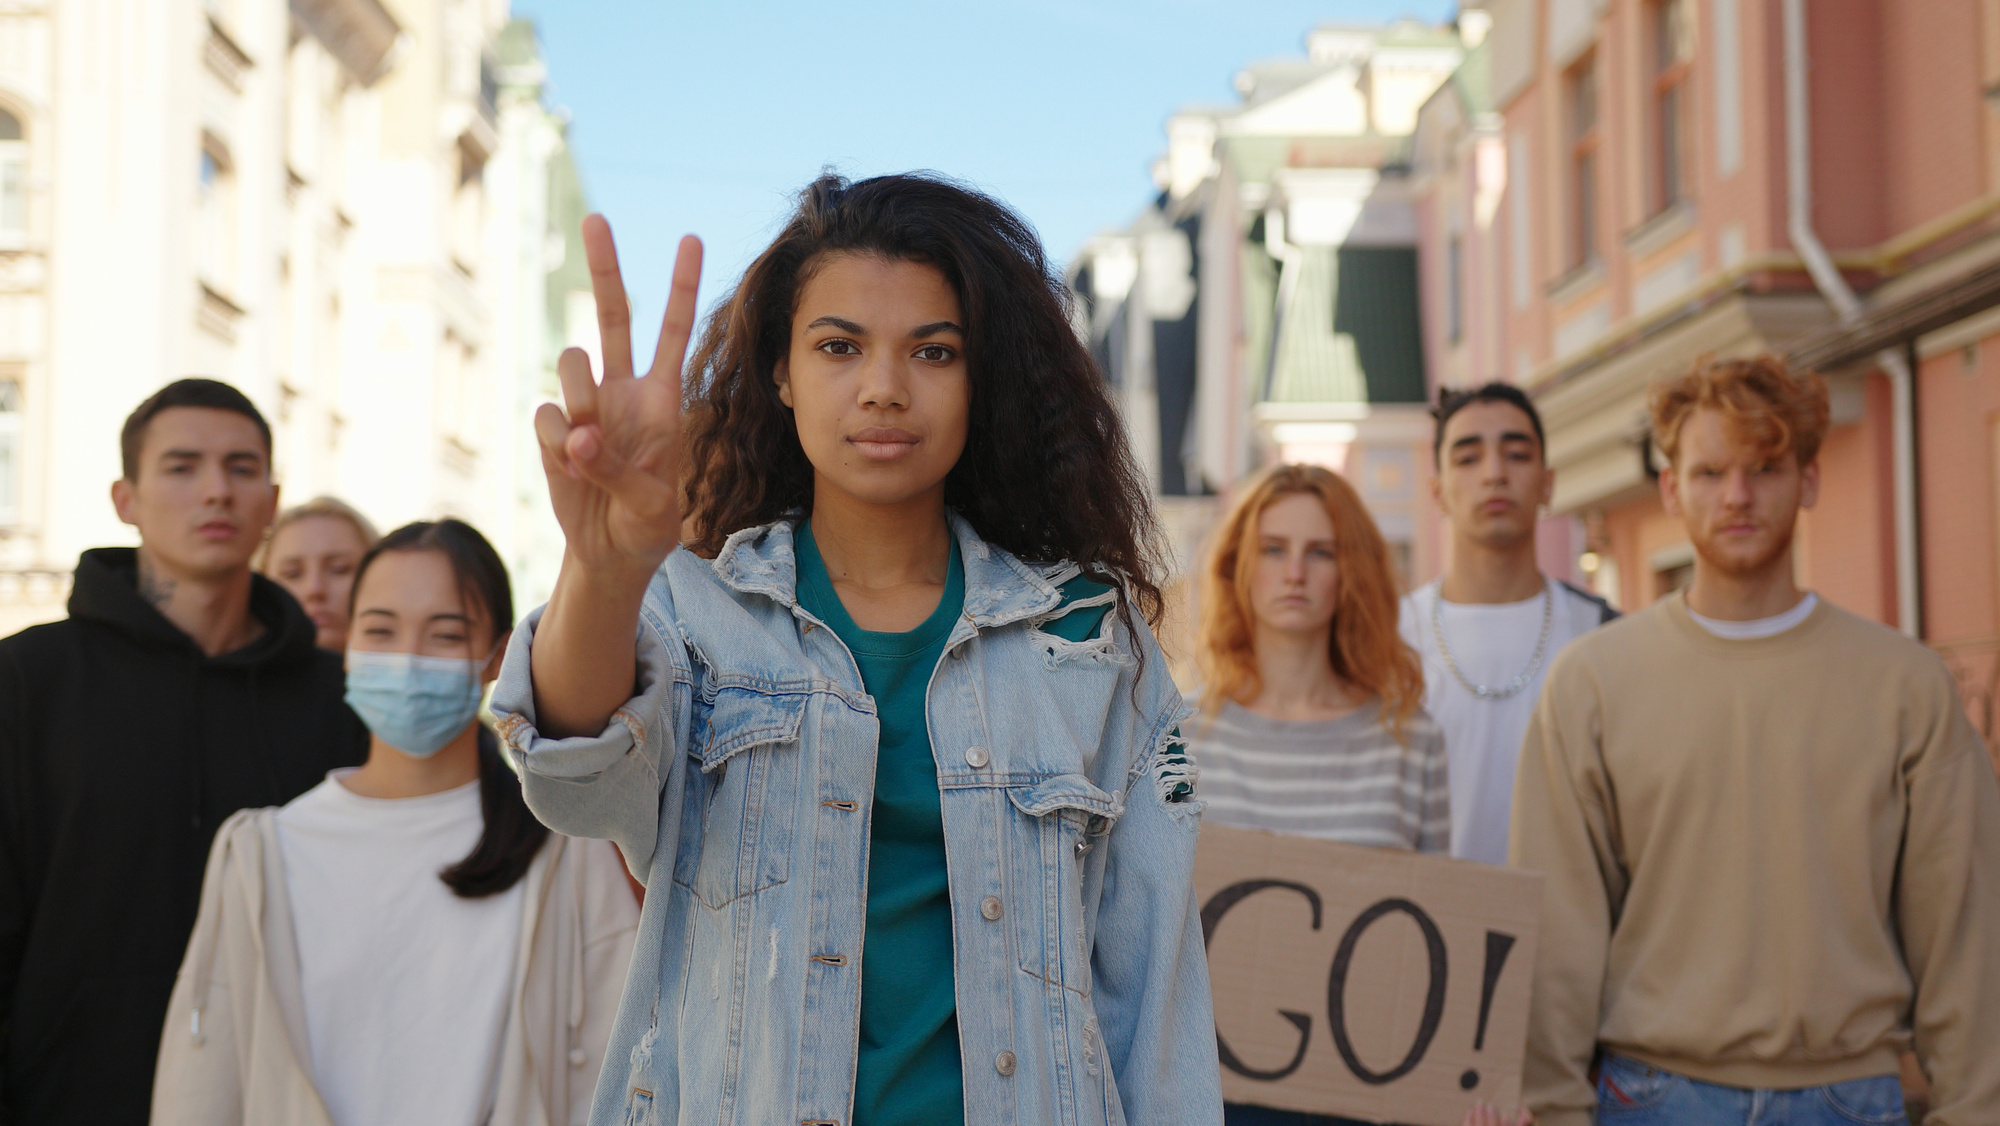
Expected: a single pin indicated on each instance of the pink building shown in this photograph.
(1611, 189)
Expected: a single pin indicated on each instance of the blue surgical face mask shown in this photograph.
(415, 704)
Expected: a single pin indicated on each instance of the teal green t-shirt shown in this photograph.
(908, 1072)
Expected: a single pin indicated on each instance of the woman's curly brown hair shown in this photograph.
(1046, 473)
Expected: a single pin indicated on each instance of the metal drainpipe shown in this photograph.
(1826, 277)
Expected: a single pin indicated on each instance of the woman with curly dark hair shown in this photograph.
(889, 567)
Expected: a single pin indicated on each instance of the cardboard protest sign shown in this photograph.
(1370, 983)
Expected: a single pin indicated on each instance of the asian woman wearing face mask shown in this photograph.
(404, 943)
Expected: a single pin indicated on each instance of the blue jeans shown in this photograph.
(1630, 1093)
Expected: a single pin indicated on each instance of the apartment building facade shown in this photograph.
(298, 198)
(1621, 187)
(1264, 307)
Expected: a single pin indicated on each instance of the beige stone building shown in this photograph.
(298, 198)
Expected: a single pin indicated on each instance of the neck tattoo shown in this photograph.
(1527, 675)
(154, 587)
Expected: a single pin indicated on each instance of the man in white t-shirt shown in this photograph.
(1489, 627)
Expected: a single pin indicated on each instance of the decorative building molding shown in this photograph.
(1658, 287)
(361, 34)
(1576, 285)
(1572, 29)
(1660, 231)
(216, 314)
(225, 58)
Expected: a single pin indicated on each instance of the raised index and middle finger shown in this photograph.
(614, 309)
(677, 326)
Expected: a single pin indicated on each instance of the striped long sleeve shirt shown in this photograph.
(1345, 779)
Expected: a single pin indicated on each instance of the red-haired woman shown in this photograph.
(1313, 723)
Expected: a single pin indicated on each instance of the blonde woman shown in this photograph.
(312, 552)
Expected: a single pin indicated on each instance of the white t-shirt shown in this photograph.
(1492, 644)
(1758, 627)
(406, 984)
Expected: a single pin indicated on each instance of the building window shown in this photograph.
(215, 205)
(1672, 31)
(457, 391)
(468, 203)
(10, 453)
(1454, 296)
(1580, 102)
(13, 179)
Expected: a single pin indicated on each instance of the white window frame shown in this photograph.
(11, 452)
(14, 217)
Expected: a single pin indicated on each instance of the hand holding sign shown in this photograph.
(1483, 1115)
(1364, 982)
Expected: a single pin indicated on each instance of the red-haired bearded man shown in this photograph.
(1771, 837)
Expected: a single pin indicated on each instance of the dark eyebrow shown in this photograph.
(841, 323)
(935, 327)
(179, 455)
(431, 620)
(1507, 436)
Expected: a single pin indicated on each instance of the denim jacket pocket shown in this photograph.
(1063, 821)
(736, 829)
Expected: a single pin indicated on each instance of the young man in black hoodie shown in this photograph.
(182, 688)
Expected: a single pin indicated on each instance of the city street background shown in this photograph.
(1286, 226)
(708, 117)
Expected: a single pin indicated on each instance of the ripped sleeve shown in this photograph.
(1173, 771)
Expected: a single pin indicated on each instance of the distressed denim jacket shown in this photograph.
(739, 782)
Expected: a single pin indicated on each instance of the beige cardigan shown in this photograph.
(233, 1051)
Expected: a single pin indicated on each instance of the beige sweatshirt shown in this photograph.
(1770, 863)
(233, 1050)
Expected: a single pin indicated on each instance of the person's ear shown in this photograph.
(123, 500)
(491, 672)
(1437, 489)
(1809, 484)
(781, 374)
(1670, 492)
(270, 513)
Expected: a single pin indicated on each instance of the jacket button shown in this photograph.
(1004, 1063)
(990, 908)
(975, 757)
(578, 1057)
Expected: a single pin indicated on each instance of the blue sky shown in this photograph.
(706, 117)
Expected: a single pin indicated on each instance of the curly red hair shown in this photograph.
(1765, 403)
(1368, 652)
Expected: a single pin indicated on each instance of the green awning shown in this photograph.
(1350, 332)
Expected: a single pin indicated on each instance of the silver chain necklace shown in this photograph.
(1512, 687)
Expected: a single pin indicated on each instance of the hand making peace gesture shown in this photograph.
(613, 457)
